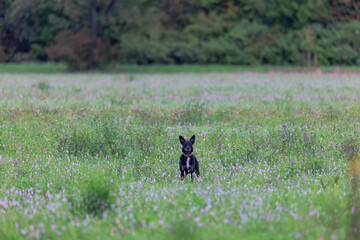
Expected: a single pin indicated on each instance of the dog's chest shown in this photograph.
(188, 162)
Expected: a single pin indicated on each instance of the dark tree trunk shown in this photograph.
(315, 59)
(94, 31)
(308, 59)
(109, 9)
(171, 8)
(94, 20)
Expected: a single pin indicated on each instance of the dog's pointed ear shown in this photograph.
(182, 140)
(192, 139)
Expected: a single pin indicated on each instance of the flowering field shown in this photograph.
(91, 156)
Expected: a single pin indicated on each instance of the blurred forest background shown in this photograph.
(88, 34)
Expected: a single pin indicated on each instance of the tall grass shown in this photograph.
(96, 156)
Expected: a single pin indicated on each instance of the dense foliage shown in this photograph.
(91, 33)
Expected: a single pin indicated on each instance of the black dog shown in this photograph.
(188, 162)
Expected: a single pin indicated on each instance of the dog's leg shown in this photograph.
(182, 175)
(192, 176)
(197, 172)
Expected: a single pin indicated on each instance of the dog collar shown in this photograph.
(190, 155)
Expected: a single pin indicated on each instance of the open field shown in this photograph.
(32, 68)
(46, 68)
(95, 156)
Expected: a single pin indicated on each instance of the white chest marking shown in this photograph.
(188, 163)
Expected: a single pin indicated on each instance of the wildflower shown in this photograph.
(286, 126)
(4, 203)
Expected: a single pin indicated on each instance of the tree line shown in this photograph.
(92, 33)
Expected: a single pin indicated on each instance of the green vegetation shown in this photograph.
(195, 68)
(87, 156)
(32, 68)
(89, 34)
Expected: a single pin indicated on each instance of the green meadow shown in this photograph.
(95, 156)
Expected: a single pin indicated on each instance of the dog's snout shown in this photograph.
(188, 149)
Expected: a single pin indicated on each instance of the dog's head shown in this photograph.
(187, 146)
